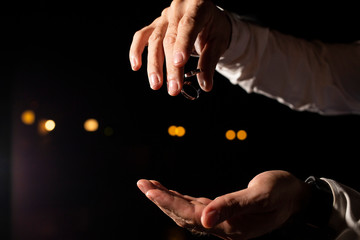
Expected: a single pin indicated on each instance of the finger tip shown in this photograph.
(174, 91)
(135, 68)
(173, 94)
(140, 184)
(203, 221)
(140, 181)
(174, 87)
(155, 87)
(206, 83)
(209, 218)
(135, 63)
(207, 89)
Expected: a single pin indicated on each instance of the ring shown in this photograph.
(190, 91)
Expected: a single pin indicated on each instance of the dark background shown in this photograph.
(70, 62)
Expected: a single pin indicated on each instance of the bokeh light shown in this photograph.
(230, 135)
(91, 125)
(45, 126)
(172, 130)
(176, 131)
(28, 117)
(180, 131)
(241, 135)
(49, 125)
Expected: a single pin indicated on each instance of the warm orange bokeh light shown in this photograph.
(28, 117)
(230, 135)
(176, 131)
(172, 131)
(241, 135)
(180, 131)
(91, 125)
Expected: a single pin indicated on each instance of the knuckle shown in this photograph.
(138, 34)
(187, 21)
(155, 37)
(164, 12)
(169, 39)
(142, 33)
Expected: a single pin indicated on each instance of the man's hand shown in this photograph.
(268, 202)
(185, 26)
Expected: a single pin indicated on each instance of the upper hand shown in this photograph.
(268, 202)
(184, 26)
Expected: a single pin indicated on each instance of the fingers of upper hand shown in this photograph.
(140, 41)
(212, 41)
(137, 47)
(194, 19)
(155, 60)
(172, 36)
(174, 73)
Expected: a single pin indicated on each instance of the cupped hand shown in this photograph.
(269, 201)
(184, 27)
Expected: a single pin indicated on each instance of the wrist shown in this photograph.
(318, 210)
(226, 26)
(313, 210)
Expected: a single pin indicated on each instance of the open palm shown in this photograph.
(270, 199)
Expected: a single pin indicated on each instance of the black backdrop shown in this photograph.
(69, 63)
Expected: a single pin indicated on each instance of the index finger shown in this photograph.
(189, 27)
(138, 44)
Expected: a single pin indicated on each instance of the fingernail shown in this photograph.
(212, 219)
(141, 187)
(202, 84)
(178, 58)
(173, 87)
(154, 80)
(133, 63)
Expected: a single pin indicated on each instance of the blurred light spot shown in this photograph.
(241, 135)
(172, 130)
(230, 135)
(108, 131)
(180, 131)
(91, 125)
(45, 126)
(28, 117)
(176, 131)
(49, 125)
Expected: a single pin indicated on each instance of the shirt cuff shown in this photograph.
(240, 37)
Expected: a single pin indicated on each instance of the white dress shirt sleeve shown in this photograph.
(303, 75)
(345, 217)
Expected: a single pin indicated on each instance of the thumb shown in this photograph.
(224, 207)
